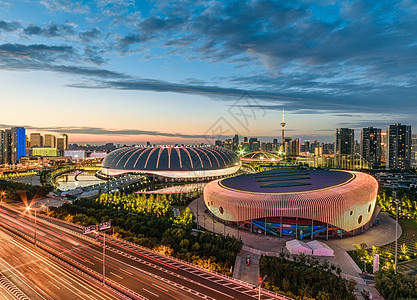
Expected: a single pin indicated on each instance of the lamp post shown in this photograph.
(396, 201)
(28, 208)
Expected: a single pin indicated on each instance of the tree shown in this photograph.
(186, 217)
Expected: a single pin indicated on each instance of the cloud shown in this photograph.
(90, 35)
(9, 26)
(51, 30)
(34, 52)
(68, 6)
(106, 131)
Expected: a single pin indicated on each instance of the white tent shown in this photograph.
(298, 247)
(320, 248)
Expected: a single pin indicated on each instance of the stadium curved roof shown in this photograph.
(260, 156)
(345, 199)
(163, 160)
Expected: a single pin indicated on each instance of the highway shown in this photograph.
(143, 272)
(39, 277)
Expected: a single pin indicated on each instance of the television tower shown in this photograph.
(283, 125)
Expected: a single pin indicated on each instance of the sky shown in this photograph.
(193, 71)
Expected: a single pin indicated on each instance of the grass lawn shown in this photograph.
(408, 237)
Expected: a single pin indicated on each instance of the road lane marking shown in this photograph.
(54, 285)
(116, 275)
(150, 292)
(127, 272)
(160, 287)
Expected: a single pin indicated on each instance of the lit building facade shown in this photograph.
(398, 155)
(344, 146)
(371, 146)
(414, 151)
(36, 140)
(300, 203)
(50, 141)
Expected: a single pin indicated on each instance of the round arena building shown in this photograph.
(172, 162)
(300, 203)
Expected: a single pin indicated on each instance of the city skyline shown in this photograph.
(123, 72)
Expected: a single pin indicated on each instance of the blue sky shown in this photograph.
(185, 71)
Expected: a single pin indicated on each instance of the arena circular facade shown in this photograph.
(296, 202)
(172, 162)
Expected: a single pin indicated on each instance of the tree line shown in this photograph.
(152, 227)
(305, 277)
(18, 191)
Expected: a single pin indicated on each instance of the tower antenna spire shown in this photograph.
(283, 125)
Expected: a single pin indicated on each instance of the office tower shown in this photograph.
(9, 147)
(283, 125)
(398, 155)
(218, 143)
(36, 140)
(254, 144)
(236, 140)
(20, 136)
(2, 141)
(371, 146)
(414, 151)
(62, 142)
(275, 141)
(294, 147)
(49, 141)
(344, 146)
(245, 139)
(383, 146)
(314, 145)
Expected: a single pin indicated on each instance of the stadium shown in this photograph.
(300, 203)
(181, 163)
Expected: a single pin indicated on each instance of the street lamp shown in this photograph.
(3, 196)
(28, 208)
(396, 201)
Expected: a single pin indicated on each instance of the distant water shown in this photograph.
(68, 182)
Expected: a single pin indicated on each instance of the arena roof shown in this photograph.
(345, 199)
(286, 180)
(183, 161)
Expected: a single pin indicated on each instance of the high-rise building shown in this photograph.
(236, 140)
(371, 146)
(254, 144)
(9, 147)
(20, 143)
(49, 141)
(294, 147)
(344, 145)
(398, 155)
(383, 146)
(2, 143)
(36, 140)
(62, 142)
(414, 151)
